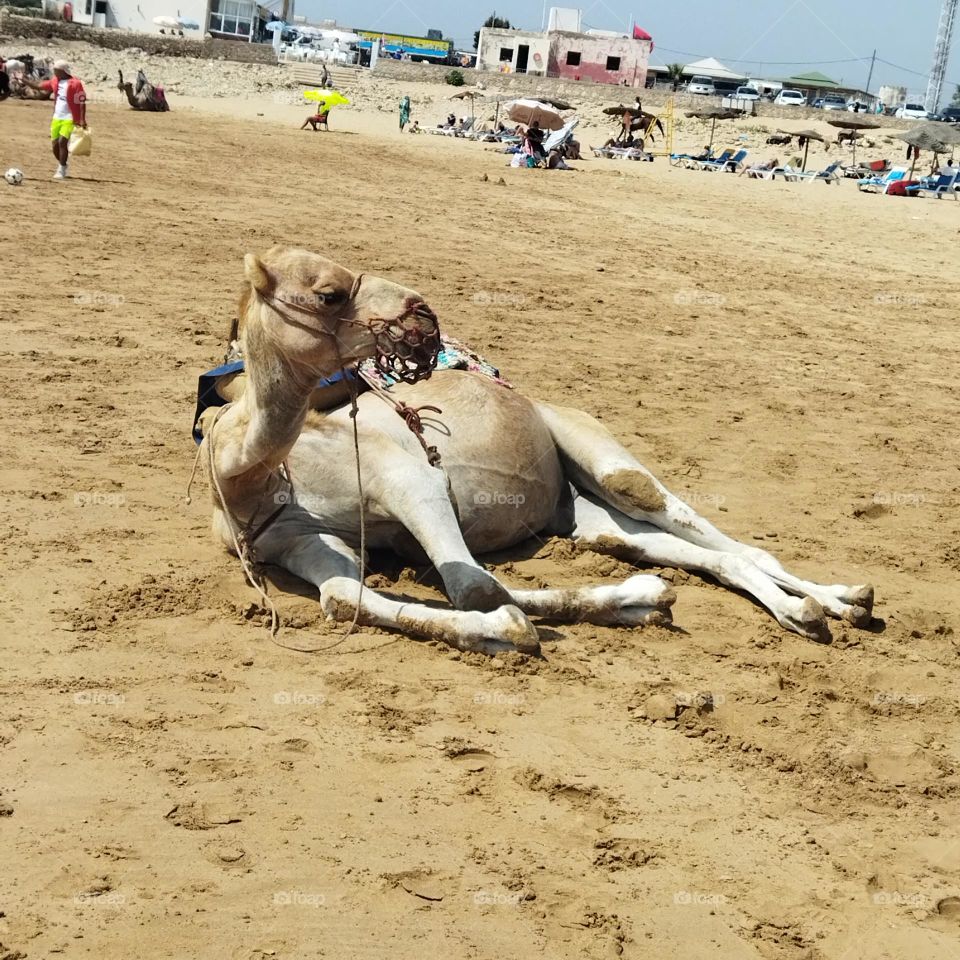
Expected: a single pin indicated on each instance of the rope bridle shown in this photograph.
(245, 535)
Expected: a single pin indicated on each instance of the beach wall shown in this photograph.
(33, 28)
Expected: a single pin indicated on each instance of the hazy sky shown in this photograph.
(769, 33)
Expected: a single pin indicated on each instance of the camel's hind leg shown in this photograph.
(605, 528)
(598, 463)
(332, 566)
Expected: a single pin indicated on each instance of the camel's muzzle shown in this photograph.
(407, 347)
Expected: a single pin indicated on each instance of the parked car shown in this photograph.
(831, 101)
(702, 85)
(949, 115)
(793, 98)
(726, 88)
(912, 111)
(858, 106)
(747, 93)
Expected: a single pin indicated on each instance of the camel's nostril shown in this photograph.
(425, 317)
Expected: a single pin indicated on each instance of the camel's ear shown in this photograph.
(259, 276)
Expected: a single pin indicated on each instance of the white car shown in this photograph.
(747, 93)
(833, 102)
(792, 98)
(912, 111)
(702, 85)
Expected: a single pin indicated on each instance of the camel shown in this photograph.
(146, 97)
(285, 491)
(25, 67)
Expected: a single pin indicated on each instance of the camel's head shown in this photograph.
(322, 316)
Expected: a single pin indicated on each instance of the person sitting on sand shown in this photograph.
(631, 141)
(534, 138)
(319, 119)
(557, 159)
(414, 127)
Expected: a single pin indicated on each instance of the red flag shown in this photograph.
(640, 34)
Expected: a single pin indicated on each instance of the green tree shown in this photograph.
(492, 21)
(955, 102)
(675, 73)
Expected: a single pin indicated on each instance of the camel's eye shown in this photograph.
(331, 297)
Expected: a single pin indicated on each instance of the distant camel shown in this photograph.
(146, 97)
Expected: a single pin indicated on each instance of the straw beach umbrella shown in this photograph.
(467, 95)
(714, 114)
(556, 104)
(854, 125)
(805, 136)
(938, 137)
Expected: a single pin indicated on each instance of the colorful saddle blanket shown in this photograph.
(453, 355)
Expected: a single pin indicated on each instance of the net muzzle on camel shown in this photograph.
(406, 347)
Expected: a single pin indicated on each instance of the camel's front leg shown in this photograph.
(598, 463)
(332, 566)
(406, 488)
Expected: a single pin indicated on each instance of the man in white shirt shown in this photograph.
(69, 110)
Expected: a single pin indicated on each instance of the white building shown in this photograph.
(226, 19)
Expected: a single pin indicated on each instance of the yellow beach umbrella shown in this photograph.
(326, 98)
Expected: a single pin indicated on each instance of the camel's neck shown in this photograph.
(270, 414)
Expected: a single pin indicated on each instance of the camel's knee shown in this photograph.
(472, 588)
(339, 598)
(632, 490)
(734, 570)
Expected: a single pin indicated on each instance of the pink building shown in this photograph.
(602, 58)
(598, 56)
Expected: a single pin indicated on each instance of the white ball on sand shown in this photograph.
(14, 177)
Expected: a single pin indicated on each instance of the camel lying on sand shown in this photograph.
(284, 477)
(146, 96)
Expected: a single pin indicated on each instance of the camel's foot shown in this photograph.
(805, 616)
(851, 604)
(512, 626)
(641, 601)
(506, 628)
(859, 597)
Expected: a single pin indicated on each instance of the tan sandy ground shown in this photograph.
(174, 785)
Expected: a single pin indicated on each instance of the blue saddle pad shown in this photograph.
(207, 395)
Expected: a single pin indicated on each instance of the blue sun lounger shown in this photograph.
(882, 184)
(727, 164)
(944, 185)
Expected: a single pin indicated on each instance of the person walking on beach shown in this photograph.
(69, 111)
(404, 112)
